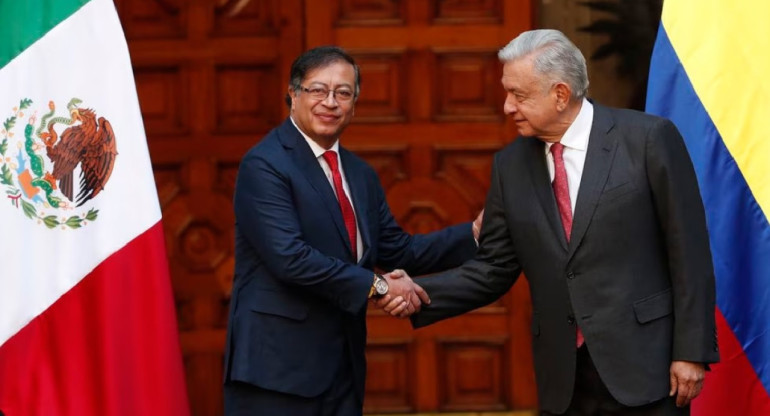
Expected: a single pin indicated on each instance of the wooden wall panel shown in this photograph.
(367, 12)
(472, 374)
(385, 101)
(162, 90)
(245, 98)
(468, 86)
(468, 11)
(152, 19)
(246, 18)
(391, 359)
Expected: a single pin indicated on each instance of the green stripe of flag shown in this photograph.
(23, 22)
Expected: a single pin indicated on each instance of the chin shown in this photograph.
(322, 128)
(525, 132)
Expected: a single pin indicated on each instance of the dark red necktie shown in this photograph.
(561, 191)
(347, 209)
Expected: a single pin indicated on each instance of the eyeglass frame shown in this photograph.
(308, 90)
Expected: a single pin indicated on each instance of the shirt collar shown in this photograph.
(576, 136)
(318, 151)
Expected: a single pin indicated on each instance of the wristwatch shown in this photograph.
(379, 286)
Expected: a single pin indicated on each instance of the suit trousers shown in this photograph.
(243, 399)
(592, 398)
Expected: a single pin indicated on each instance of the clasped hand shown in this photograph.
(404, 297)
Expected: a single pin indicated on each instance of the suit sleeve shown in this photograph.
(483, 279)
(265, 214)
(420, 253)
(680, 211)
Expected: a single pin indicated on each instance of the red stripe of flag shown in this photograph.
(732, 386)
(109, 346)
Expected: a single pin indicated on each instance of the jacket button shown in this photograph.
(570, 275)
(571, 320)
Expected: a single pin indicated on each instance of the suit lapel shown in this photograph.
(357, 185)
(602, 145)
(306, 162)
(541, 182)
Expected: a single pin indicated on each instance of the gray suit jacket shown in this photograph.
(636, 275)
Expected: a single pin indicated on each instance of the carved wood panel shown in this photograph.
(211, 76)
(468, 11)
(471, 374)
(392, 359)
(467, 86)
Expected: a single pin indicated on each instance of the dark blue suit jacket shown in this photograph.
(298, 296)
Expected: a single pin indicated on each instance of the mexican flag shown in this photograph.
(87, 320)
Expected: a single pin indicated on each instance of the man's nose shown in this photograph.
(510, 106)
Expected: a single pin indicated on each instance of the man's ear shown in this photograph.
(563, 93)
(293, 95)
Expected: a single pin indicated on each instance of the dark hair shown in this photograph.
(315, 58)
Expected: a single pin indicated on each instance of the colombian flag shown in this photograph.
(710, 75)
(87, 319)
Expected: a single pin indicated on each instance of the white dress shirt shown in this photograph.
(318, 151)
(575, 141)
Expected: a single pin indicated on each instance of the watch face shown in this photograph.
(381, 286)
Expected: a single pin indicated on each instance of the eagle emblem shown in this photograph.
(60, 163)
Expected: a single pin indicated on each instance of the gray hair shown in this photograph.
(555, 57)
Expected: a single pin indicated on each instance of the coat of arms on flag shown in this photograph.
(39, 171)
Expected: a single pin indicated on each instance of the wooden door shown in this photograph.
(211, 76)
(429, 119)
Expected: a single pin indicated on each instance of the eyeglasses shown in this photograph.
(320, 93)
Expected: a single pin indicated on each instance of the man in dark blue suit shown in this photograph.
(312, 222)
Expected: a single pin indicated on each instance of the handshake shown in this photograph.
(404, 297)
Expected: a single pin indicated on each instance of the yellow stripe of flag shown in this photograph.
(723, 48)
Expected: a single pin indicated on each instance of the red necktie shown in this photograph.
(347, 209)
(561, 191)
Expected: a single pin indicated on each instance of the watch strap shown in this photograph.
(372, 290)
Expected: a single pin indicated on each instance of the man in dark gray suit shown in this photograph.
(600, 209)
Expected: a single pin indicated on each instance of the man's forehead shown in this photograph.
(518, 73)
(337, 67)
